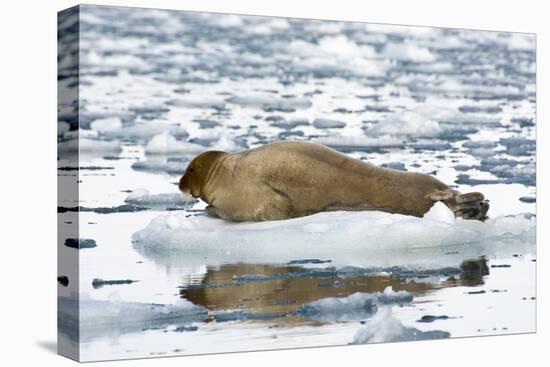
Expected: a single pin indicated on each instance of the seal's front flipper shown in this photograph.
(212, 211)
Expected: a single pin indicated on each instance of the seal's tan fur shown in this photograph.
(293, 179)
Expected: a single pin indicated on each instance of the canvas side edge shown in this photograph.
(68, 39)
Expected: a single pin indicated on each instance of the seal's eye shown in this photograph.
(191, 170)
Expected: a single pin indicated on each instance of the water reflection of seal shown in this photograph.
(293, 179)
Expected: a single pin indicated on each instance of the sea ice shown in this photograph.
(142, 197)
(112, 128)
(368, 238)
(86, 145)
(90, 318)
(406, 124)
(384, 327)
(358, 143)
(267, 102)
(161, 164)
(62, 128)
(165, 144)
(107, 124)
(407, 52)
(198, 102)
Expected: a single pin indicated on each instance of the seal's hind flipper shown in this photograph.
(471, 205)
(211, 210)
(469, 197)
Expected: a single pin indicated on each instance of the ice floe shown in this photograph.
(161, 164)
(384, 327)
(142, 197)
(406, 124)
(348, 238)
(112, 128)
(90, 318)
(359, 143)
(271, 103)
(106, 124)
(85, 145)
(165, 143)
(407, 52)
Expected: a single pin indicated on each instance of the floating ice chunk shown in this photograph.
(359, 143)
(406, 124)
(407, 52)
(149, 108)
(384, 327)
(62, 128)
(322, 123)
(354, 307)
(198, 102)
(227, 21)
(270, 103)
(99, 318)
(165, 143)
(107, 124)
(86, 145)
(142, 197)
(368, 238)
(143, 131)
(126, 44)
(227, 143)
(521, 42)
(399, 30)
(94, 58)
(267, 27)
(87, 116)
(440, 212)
(159, 164)
(323, 27)
(342, 47)
(324, 59)
(400, 166)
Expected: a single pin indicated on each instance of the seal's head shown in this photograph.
(198, 171)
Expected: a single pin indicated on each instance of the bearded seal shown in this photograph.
(292, 179)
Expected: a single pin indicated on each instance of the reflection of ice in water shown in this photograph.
(423, 99)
